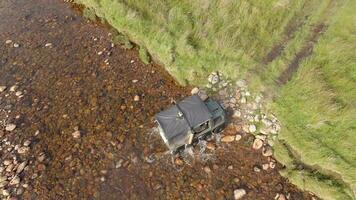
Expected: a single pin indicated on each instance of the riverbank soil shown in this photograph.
(86, 107)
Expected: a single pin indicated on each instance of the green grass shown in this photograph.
(193, 38)
(317, 107)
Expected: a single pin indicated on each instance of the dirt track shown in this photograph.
(69, 85)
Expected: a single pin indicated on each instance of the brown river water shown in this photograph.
(80, 81)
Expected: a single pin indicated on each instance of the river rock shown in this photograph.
(15, 181)
(2, 88)
(137, 98)
(5, 193)
(267, 151)
(239, 193)
(10, 127)
(228, 138)
(257, 144)
(238, 137)
(21, 167)
(236, 114)
(23, 150)
(194, 91)
(76, 134)
(252, 128)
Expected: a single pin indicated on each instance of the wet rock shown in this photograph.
(239, 193)
(137, 98)
(21, 167)
(9, 168)
(210, 146)
(178, 161)
(2, 88)
(194, 91)
(267, 151)
(23, 150)
(3, 183)
(252, 128)
(10, 127)
(272, 165)
(27, 143)
(282, 197)
(7, 162)
(5, 193)
(207, 169)
(257, 144)
(76, 134)
(256, 169)
(15, 181)
(265, 166)
(18, 93)
(238, 137)
(13, 88)
(19, 191)
(228, 138)
(48, 45)
(236, 114)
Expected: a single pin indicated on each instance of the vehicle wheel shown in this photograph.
(218, 129)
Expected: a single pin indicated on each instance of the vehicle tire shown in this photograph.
(218, 129)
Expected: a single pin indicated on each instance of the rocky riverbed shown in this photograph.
(76, 120)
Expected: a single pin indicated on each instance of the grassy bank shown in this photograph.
(193, 38)
(258, 40)
(318, 111)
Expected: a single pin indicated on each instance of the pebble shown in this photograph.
(76, 134)
(135, 81)
(239, 193)
(21, 167)
(19, 191)
(267, 151)
(137, 98)
(256, 169)
(5, 193)
(15, 181)
(265, 166)
(8, 41)
(7, 162)
(252, 128)
(13, 88)
(228, 138)
(241, 83)
(272, 165)
(207, 169)
(10, 127)
(23, 150)
(282, 197)
(2, 88)
(194, 91)
(238, 137)
(48, 44)
(16, 45)
(243, 100)
(236, 114)
(257, 144)
(178, 161)
(3, 183)
(27, 143)
(210, 146)
(42, 157)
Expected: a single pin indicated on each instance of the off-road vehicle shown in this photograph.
(189, 121)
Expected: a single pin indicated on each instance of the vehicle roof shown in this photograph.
(194, 113)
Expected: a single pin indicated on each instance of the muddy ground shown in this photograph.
(73, 80)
